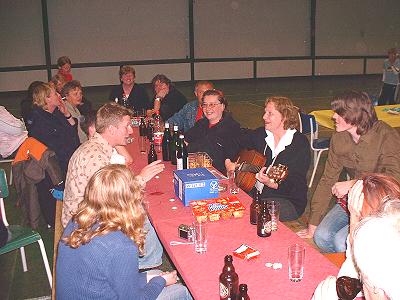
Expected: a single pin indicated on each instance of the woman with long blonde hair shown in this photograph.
(98, 254)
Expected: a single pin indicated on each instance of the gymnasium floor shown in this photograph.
(246, 101)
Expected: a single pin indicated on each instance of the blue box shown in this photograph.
(195, 184)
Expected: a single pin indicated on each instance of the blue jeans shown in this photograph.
(331, 233)
(173, 292)
(153, 249)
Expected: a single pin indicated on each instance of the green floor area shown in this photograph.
(246, 101)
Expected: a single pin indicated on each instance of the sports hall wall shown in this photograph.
(194, 39)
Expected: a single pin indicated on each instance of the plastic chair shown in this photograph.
(20, 236)
(308, 125)
(8, 161)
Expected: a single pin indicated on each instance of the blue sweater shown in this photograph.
(186, 117)
(105, 268)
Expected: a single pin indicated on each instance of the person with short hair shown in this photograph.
(72, 92)
(192, 111)
(167, 99)
(64, 67)
(129, 93)
(391, 71)
(281, 143)
(113, 127)
(27, 103)
(214, 134)
(98, 253)
(51, 123)
(360, 144)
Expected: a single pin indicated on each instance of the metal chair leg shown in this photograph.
(45, 262)
(315, 169)
(23, 258)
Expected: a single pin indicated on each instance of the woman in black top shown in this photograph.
(129, 93)
(281, 143)
(215, 133)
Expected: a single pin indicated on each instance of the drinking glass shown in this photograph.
(142, 144)
(274, 209)
(200, 236)
(296, 256)
(233, 188)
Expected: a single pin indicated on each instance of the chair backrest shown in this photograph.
(307, 123)
(3, 194)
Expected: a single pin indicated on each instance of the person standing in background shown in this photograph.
(64, 67)
(391, 70)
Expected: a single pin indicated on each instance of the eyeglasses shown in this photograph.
(210, 105)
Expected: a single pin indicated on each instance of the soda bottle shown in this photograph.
(142, 127)
(228, 280)
(172, 145)
(254, 207)
(243, 292)
(264, 224)
(165, 143)
(152, 156)
(181, 154)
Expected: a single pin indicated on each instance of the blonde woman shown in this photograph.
(98, 254)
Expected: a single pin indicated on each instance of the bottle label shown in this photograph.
(158, 136)
(267, 228)
(223, 291)
(179, 164)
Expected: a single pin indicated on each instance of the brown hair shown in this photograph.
(378, 188)
(220, 96)
(112, 202)
(71, 85)
(161, 78)
(355, 108)
(40, 93)
(125, 70)
(286, 108)
(63, 60)
(110, 114)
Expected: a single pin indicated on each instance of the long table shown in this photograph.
(201, 271)
(324, 117)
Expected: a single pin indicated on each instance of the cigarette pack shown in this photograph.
(246, 252)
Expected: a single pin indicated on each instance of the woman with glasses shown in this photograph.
(280, 142)
(215, 132)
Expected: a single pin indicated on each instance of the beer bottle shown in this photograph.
(152, 156)
(243, 292)
(228, 281)
(264, 224)
(181, 154)
(150, 129)
(142, 127)
(172, 145)
(254, 207)
(165, 144)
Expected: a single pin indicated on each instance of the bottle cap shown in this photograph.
(166, 125)
(181, 136)
(175, 127)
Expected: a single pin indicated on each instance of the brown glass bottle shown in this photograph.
(255, 207)
(228, 281)
(243, 292)
(264, 224)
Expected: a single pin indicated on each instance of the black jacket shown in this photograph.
(296, 157)
(171, 103)
(137, 100)
(218, 141)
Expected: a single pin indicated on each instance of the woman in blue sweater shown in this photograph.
(98, 254)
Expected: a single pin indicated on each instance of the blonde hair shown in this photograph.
(112, 202)
(40, 93)
(289, 112)
(110, 114)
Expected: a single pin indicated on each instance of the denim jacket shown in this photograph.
(186, 117)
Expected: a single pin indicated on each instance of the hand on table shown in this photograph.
(326, 289)
(340, 189)
(307, 233)
(263, 178)
(151, 170)
(170, 277)
(229, 165)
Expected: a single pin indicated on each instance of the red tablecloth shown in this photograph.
(201, 271)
